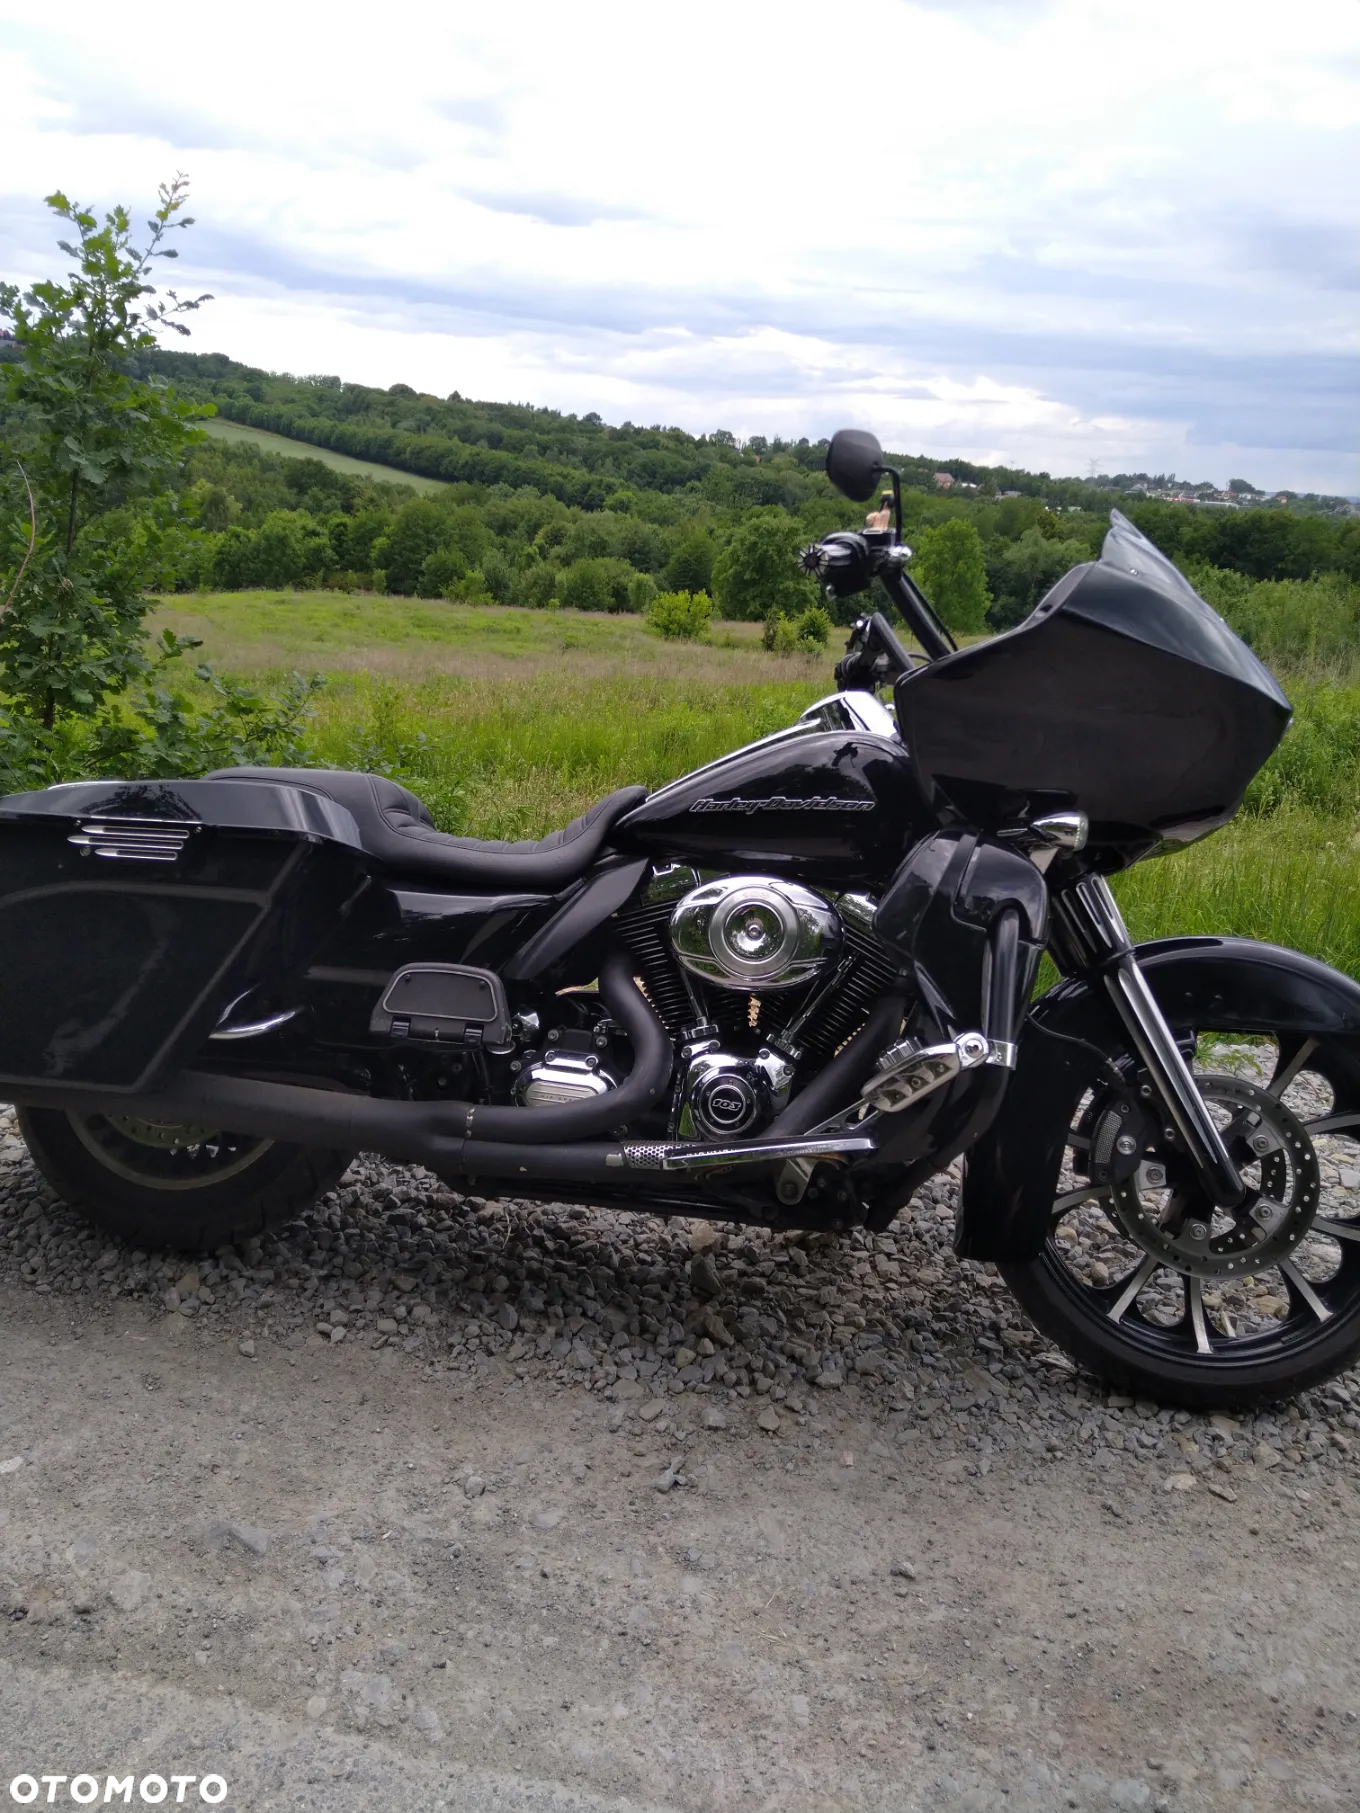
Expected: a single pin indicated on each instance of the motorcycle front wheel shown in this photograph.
(191, 1189)
(1168, 1298)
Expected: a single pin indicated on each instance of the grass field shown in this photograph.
(222, 430)
(510, 722)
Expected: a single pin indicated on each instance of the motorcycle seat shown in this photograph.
(396, 828)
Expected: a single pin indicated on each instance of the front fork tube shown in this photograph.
(1089, 916)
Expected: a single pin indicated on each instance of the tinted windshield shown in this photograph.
(1160, 607)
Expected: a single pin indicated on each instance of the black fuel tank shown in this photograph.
(829, 805)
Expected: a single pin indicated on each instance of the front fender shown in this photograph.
(1224, 984)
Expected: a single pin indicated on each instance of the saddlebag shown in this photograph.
(132, 914)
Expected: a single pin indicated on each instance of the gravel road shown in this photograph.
(441, 1502)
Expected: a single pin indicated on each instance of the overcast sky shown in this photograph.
(1080, 236)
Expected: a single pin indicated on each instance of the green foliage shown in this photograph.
(681, 616)
(84, 435)
(690, 567)
(642, 593)
(780, 636)
(805, 634)
(950, 569)
(158, 731)
(499, 577)
(536, 586)
(1020, 573)
(757, 573)
(441, 574)
(169, 733)
(1262, 544)
(1301, 623)
(1317, 766)
(418, 530)
(599, 584)
(814, 627)
(1290, 879)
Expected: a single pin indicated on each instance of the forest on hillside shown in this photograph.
(544, 509)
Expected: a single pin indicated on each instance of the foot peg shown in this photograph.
(909, 1071)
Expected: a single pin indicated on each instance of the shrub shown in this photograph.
(596, 584)
(781, 634)
(535, 586)
(1312, 623)
(441, 573)
(470, 589)
(813, 628)
(642, 591)
(681, 616)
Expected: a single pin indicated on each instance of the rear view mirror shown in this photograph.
(854, 463)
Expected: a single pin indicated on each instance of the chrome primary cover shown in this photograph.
(755, 932)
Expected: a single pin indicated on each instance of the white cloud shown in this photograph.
(1044, 233)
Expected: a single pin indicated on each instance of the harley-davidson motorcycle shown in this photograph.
(783, 990)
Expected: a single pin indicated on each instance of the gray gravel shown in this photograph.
(451, 1503)
(640, 1312)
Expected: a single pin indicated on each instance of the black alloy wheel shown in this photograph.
(1160, 1293)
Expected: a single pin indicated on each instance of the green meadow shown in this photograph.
(237, 433)
(509, 722)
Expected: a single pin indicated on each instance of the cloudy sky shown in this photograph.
(1083, 235)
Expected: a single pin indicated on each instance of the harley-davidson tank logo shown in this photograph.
(781, 802)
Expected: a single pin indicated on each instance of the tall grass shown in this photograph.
(498, 761)
(1292, 877)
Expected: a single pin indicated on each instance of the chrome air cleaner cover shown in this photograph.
(755, 932)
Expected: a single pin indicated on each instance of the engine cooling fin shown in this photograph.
(872, 975)
(645, 933)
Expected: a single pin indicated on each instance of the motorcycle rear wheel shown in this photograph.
(1186, 1333)
(189, 1189)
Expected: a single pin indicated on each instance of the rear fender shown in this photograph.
(1226, 984)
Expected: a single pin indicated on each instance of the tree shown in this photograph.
(417, 530)
(1022, 572)
(690, 567)
(952, 573)
(757, 574)
(87, 434)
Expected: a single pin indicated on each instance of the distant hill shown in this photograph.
(583, 460)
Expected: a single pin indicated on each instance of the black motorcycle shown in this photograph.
(784, 990)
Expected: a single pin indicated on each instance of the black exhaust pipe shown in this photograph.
(447, 1136)
(468, 1139)
(834, 1088)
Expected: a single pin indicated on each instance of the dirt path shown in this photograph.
(338, 1582)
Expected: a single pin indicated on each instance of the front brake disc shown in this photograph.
(1162, 1206)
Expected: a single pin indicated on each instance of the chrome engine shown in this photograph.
(755, 932)
(759, 981)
